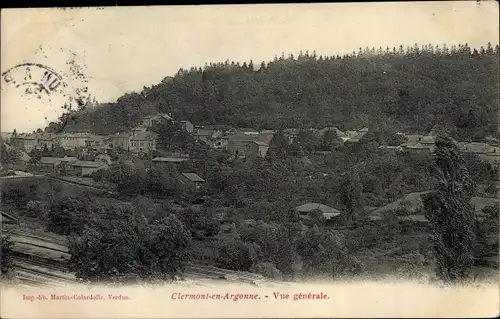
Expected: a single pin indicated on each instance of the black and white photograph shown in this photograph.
(231, 154)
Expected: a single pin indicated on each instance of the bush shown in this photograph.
(16, 194)
(35, 209)
(6, 256)
(234, 254)
(123, 247)
(69, 215)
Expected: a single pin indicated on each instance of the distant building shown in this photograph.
(339, 133)
(219, 143)
(362, 132)
(173, 160)
(312, 211)
(85, 168)
(237, 144)
(70, 141)
(47, 140)
(425, 144)
(248, 131)
(120, 140)
(192, 179)
(50, 165)
(98, 143)
(485, 151)
(143, 142)
(291, 134)
(187, 126)
(151, 120)
(103, 158)
(257, 149)
(207, 134)
(25, 142)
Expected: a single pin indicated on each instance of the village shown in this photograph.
(239, 142)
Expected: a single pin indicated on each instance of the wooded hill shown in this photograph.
(393, 88)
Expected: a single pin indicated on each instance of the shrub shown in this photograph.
(35, 209)
(69, 215)
(6, 256)
(233, 254)
(123, 247)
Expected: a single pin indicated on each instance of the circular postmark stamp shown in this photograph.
(34, 79)
(58, 88)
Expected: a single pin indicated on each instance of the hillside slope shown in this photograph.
(410, 89)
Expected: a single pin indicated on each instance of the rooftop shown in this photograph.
(144, 136)
(193, 177)
(310, 207)
(170, 159)
(88, 164)
(260, 143)
(50, 160)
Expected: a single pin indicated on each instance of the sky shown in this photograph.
(123, 49)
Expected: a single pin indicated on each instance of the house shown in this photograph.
(407, 208)
(266, 136)
(46, 140)
(151, 120)
(425, 144)
(143, 142)
(362, 132)
(419, 147)
(338, 132)
(6, 219)
(291, 134)
(485, 151)
(50, 165)
(85, 168)
(257, 149)
(70, 141)
(98, 143)
(174, 160)
(139, 129)
(65, 162)
(187, 126)
(192, 179)
(248, 131)
(312, 211)
(352, 136)
(207, 134)
(120, 140)
(26, 142)
(219, 143)
(103, 158)
(237, 144)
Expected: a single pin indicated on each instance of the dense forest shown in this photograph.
(407, 89)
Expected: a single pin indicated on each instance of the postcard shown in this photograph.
(332, 160)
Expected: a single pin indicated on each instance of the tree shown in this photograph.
(330, 141)
(278, 147)
(350, 194)
(69, 215)
(450, 213)
(8, 155)
(234, 254)
(35, 156)
(122, 246)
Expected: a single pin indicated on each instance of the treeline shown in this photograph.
(400, 88)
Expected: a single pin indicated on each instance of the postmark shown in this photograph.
(59, 84)
(35, 79)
